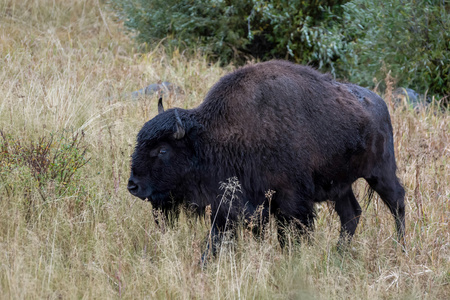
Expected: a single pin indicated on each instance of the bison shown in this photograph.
(275, 126)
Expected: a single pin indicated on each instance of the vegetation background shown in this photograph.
(358, 40)
(69, 229)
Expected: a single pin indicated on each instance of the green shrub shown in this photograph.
(236, 30)
(213, 27)
(358, 40)
(410, 39)
(50, 163)
(300, 30)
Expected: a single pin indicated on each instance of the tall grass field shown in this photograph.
(69, 229)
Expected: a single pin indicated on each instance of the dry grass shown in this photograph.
(63, 65)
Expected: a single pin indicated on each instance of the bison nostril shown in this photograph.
(132, 187)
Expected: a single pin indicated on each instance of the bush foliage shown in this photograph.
(359, 40)
(236, 30)
(49, 162)
(410, 39)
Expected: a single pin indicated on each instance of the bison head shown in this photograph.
(164, 158)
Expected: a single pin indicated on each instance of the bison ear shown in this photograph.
(160, 105)
(180, 132)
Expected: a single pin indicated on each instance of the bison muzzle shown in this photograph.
(275, 126)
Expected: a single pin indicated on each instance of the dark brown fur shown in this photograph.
(277, 126)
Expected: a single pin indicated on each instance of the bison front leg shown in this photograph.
(301, 221)
(349, 212)
(212, 244)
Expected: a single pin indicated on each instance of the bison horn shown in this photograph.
(179, 134)
(160, 105)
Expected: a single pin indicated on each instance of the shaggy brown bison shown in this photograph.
(275, 126)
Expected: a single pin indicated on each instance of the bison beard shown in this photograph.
(275, 126)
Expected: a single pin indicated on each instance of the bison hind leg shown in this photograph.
(390, 190)
(349, 212)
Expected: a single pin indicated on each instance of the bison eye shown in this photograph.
(159, 151)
